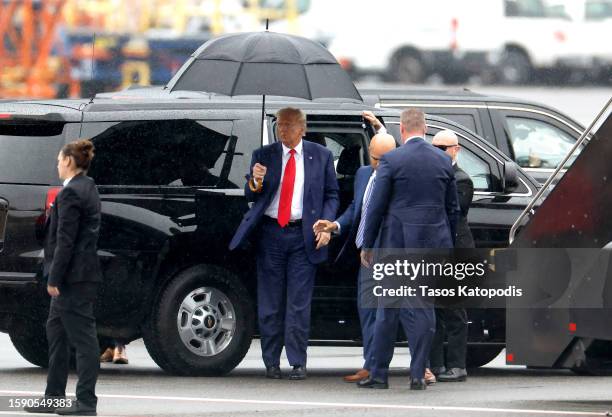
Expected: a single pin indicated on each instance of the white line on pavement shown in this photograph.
(336, 405)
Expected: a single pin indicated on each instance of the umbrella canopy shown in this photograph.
(265, 63)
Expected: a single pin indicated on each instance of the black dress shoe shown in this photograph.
(298, 373)
(76, 409)
(372, 383)
(46, 405)
(453, 375)
(273, 372)
(418, 384)
(437, 370)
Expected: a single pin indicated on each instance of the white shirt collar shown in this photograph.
(67, 180)
(412, 137)
(298, 148)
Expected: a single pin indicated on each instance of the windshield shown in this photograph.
(598, 9)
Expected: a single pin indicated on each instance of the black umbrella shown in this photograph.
(265, 63)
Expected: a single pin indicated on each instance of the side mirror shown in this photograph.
(511, 178)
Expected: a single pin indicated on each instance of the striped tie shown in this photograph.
(364, 212)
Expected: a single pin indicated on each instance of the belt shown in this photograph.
(292, 223)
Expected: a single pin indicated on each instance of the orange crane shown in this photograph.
(28, 33)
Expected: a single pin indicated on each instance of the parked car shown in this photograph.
(510, 39)
(170, 172)
(536, 136)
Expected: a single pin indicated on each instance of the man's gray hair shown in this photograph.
(413, 119)
(292, 111)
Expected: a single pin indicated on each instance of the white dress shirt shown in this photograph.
(298, 185)
(67, 180)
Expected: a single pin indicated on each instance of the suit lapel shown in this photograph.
(309, 170)
(363, 184)
(276, 165)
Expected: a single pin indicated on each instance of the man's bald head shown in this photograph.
(447, 141)
(380, 144)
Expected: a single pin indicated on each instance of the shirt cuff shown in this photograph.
(337, 231)
(382, 129)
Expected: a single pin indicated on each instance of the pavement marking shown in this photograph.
(336, 405)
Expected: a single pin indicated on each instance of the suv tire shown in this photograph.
(201, 324)
(30, 340)
(514, 68)
(480, 355)
(407, 68)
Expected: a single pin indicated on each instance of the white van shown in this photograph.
(407, 41)
(593, 21)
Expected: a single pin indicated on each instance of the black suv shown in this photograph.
(170, 171)
(537, 137)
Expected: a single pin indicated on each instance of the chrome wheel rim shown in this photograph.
(206, 321)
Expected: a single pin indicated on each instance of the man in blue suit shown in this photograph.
(348, 226)
(413, 205)
(292, 184)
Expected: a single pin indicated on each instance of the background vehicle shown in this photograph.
(170, 174)
(537, 137)
(511, 38)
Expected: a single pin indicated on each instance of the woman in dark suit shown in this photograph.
(73, 274)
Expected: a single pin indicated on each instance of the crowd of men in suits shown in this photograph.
(411, 196)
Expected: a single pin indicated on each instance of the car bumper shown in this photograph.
(18, 295)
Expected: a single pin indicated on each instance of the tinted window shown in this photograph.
(598, 10)
(28, 153)
(537, 144)
(166, 152)
(466, 120)
(476, 167)
(347, 148)
(525, 8)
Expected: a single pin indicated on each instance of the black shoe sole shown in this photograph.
(377, 386)
(78, 413)
(460, 379)
(44, 411)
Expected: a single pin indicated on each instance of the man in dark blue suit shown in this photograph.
(292, 184)
(413, 205)
(348, 225)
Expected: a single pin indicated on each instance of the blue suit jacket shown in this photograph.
(349, 220)
(320, 200)
(414, 201)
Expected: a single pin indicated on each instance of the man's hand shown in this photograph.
(324, 226)
(366, 258)
(323, 239)
(369, 116)
(259, 172)
(53, 291)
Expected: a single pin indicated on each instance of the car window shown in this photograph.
(537, 144)
(466, 120)
(476, 167)
(598, 10)
(525, 8)
(28, 152)
(173, 153)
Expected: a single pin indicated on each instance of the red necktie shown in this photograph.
(286, 195)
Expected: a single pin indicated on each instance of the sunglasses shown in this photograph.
(444, 147)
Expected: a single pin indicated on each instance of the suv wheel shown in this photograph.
(30, 340)
(514, 68)
(202, 323)
(408, 68)
(480, 355)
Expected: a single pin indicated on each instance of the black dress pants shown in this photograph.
(71, 322)
(452, 324)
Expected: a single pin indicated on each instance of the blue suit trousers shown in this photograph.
(419, 326)
(285, 282)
